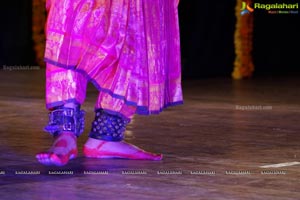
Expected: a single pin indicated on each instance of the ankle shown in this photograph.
(66, 119)
(66, 134)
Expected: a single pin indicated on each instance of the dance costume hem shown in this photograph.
(141, 110)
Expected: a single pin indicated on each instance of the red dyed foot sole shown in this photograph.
(54, 159)
(140, 155)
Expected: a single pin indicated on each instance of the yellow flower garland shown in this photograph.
(38, 32)
(243, 64)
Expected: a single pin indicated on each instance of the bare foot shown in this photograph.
(104, 149)
(63, 149)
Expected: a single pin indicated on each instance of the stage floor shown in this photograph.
(218, 145)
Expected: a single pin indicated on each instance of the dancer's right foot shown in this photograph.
(105, 149)
(63, 149)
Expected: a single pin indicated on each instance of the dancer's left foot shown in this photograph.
(104, 149)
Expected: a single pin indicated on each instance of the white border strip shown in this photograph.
(280, 165)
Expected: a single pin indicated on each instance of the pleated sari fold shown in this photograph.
(129, 49)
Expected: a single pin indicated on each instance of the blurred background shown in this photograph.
(207, 38)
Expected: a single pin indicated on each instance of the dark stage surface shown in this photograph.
(215, 145)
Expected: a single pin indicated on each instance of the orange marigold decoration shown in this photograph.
(38, 32)
(243, 64)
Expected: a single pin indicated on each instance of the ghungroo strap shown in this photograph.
(66, 119)
(108, 127)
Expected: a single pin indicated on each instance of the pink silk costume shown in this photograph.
(129, 50)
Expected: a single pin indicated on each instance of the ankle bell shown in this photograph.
(108, 127)
(66, 119)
